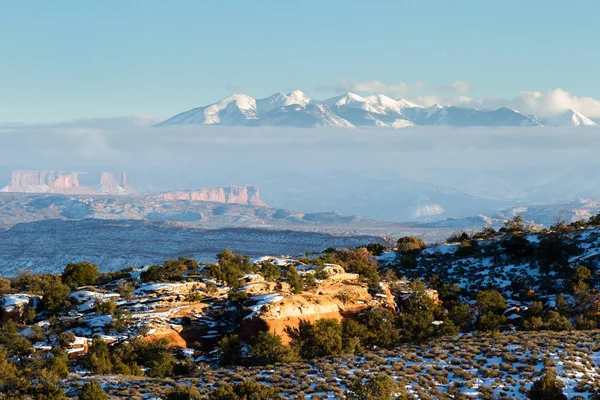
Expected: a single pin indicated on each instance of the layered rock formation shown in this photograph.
(340, 296)
(44, 182)
(113, 183)
(63, 182)
(231, 195)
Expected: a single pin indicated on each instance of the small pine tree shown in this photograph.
(80, 274)
(93, 391)
(245, 390)
(4, 286)
(293, 278)
(183, 393)
(548, 387)
(98, 358)
(268, 348)
(379, 387)
(230, 350)
(162, 365)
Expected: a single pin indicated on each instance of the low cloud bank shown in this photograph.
(386, 174)
(545, 104)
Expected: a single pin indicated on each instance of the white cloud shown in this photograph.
(369, 86)
(460, 101)
(545, 104)
(393, 89)
(420, 85)
(456, 87)
(554, 102)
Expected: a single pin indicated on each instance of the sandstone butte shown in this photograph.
(231, 195)
(71, 183)
(67, 183)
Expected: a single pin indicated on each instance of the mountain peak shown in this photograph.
(297, 109)
(278, 100)
(242, 100)
(298, 97)
(345, 98)
(574, 118)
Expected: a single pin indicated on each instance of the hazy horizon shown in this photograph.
(376, 173)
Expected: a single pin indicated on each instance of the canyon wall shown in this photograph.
(231, 195)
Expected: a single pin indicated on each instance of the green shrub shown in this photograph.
(270, 272)
(230, 267)
(80, 274)
(268, 348)
(93, 391)
(171, 270)
(548, 387)
(247, 390)
(182, 392)
(409, 244)
(105, 307)
(323, 338)
(378, 387)
(230, 350)
(293, 279)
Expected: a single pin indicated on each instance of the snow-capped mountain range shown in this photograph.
(348, 110)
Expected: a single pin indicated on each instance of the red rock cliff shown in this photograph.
(45, 182)
(66, 183)
(113, 183)
(232, 195)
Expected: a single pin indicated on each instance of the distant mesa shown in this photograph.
(247, 194)
(109, 183)
(68, 182)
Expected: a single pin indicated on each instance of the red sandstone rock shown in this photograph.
(232, 195)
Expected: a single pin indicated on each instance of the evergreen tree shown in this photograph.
(58, 363)
(183, 393)
(230, 350)
(323, 338)
(93, 391)
(421, 318)
(48, 391)
(268, 348)
(548, 387)
(55, 294)
(247, 390)
(270, 272)
(378, 387)
(5, 287)
(162, 365)
(98, 357)
(293, 278)
(80, 274)
(9, 373)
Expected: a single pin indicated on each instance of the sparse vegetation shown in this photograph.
(529, 301)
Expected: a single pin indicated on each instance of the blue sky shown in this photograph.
(65, 60)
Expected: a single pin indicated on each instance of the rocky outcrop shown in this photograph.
(172, 336)
(247, 194)
(340, 296)
(66, 183)
(45, 182)
(115, 183)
